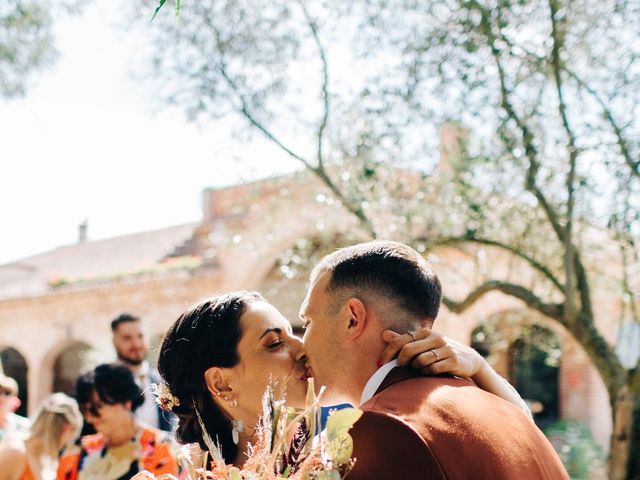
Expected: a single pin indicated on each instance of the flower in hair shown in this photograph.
(164, 398)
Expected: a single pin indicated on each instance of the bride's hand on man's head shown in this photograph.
(431, 353)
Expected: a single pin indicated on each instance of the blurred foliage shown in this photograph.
(27, 41)
(581, 456)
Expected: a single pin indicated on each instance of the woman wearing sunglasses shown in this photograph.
(123, 446)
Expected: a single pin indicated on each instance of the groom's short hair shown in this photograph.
(384, 271)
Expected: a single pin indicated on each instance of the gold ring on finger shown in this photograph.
(436, 354)
(410, 333)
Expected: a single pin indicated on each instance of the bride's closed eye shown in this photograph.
(275, 344)
(273, 340)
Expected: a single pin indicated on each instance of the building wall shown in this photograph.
(583, 395)
(41, 328)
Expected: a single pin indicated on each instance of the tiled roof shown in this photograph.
(91, 260)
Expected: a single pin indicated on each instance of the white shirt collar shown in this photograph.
(376, 380)
(144, 369)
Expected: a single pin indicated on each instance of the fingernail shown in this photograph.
(379, 363)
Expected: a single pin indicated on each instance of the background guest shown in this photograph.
(34, 455)
(131, 344)
(9, 403)
(124, 445)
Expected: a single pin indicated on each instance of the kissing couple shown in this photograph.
(366, 305)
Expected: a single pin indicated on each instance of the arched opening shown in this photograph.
(15, 366)
(68, 365)
(534, 366)
(528, 355)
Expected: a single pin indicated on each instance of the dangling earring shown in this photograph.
(238, 426)
(234, 403)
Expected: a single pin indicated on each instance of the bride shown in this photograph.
(219, 356)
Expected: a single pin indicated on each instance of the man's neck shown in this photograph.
(361, 359)
(135, 368)
(354, 382)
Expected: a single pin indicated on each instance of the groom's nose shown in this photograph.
(300, 356)
(302, 359)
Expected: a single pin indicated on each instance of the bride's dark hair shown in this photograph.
(204, 336)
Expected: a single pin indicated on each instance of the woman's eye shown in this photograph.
(275, 344)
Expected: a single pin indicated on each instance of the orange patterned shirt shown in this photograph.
(150, 449)
(28, 474)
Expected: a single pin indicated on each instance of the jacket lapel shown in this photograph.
(396, 375)
(400, 374)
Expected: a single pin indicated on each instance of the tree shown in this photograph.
(27, 41)
(549, 92)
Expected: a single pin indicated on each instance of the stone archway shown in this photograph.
(527, 351)
(15, 366)
(68, 365)
(61, 366)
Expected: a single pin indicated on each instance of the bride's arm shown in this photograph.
(488, 379)
(433, 353)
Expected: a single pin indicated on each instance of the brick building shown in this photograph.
(55, 307)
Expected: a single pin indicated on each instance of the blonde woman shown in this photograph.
(29, 457)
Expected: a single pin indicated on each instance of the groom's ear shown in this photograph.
(216, 381)
(357, 318)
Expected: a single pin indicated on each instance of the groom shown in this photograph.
(413, 427)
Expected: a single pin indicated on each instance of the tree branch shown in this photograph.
(553, 311)
(353, 207)
(584, 331)
(509, 248)
(569, 253)
(527, 137)
(244, 109)
(634, 165)
(325, 83)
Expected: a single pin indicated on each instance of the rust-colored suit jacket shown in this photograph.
(438, 428)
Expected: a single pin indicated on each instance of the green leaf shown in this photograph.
(160, 4)
(341, 421)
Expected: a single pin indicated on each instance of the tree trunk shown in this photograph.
(634, 461)
(623, 458)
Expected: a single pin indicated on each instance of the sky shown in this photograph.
(89, 143)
